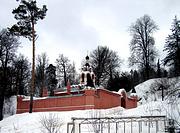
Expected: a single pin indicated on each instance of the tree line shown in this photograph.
(17, 77)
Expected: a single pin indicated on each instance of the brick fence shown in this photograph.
(86, 99)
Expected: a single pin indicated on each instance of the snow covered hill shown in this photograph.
(150, 104)
(151, 90)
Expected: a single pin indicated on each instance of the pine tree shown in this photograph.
(27, 15)
(51, 78)
(172, 47)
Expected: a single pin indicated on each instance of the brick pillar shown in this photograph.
(45, 92)
(68, 87)
(135, 99)
(90, 97)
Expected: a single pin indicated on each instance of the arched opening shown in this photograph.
(89, 80)
(92, 76)
(82, 77)
(123, 102)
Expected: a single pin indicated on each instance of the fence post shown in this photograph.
(79, 128)
(157, 128)
(68, 128)
(139, 123)
(101, 127)
(131, 126)
(108, 126)
(116, 127)
(148, 125)
(73, 129)
(124, 127)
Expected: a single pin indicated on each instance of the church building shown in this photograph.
(84, 96)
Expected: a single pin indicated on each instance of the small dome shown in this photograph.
(87, 57)
(87, 64)
(133, 90)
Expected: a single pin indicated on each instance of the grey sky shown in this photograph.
(73, 27)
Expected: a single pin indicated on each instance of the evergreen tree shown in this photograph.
(172, 47)
(27, 15)
(51, 79)
(136, 78)
(120, 81)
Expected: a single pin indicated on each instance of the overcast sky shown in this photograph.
(74, 27)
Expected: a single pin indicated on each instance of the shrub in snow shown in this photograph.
(10, 106)
(51, 123)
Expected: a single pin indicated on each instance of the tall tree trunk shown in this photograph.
(42, 83)
(3, 89)
(33, 69)
(1, 106)
(3, 85)
(147, 72)
(65, 76)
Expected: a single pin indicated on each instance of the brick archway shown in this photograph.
(123, 102)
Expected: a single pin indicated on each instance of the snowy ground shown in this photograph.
(30, 123)
(150, 104)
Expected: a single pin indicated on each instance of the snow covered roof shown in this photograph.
(121, 91)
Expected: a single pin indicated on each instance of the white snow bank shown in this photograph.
(28, 123)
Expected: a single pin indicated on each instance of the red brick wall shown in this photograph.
(106, 99)
(54, 104)
(131, 102)
(91, 99)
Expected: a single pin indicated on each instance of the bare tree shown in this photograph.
(64, 69)
(8, 47)
(72, 76)
(21, 68)
(42, 64)
(142, 48)
(105, 63)
(51, 123)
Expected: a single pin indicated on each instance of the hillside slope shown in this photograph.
(150, 104)
(151, 90)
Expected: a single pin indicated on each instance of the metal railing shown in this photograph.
(141, 124)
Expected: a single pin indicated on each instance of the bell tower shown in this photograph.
(87, 76)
